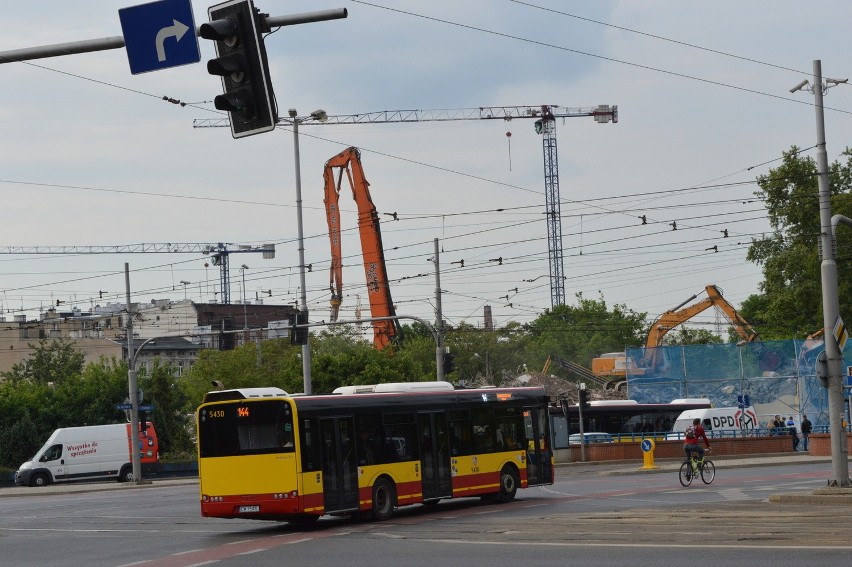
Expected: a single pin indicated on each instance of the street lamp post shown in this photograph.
(295, 120)
(184, 283)
(135, 458)
(830, 296)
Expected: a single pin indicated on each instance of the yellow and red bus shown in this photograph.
(264, 454)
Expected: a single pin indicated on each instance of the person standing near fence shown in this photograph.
(791, 427)
(806, 431)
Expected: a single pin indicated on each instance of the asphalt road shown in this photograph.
(607, 516)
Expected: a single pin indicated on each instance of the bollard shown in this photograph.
(647, 446)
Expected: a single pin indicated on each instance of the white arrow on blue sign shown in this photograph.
(159, 35)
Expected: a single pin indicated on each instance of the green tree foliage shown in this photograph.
(19, 441)
(790, 300)
(50, 362)
(689, 336)
(170, 419)
(583, 331)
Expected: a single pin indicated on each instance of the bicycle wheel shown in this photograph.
(685, 475)
(708, 471)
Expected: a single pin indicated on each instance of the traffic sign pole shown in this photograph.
(117, 42)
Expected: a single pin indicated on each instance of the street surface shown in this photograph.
(611, 517)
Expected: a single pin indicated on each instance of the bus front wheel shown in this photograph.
(384, 499)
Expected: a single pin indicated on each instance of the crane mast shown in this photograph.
(545, 116)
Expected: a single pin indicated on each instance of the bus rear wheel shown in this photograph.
(509, 482)
(384, 499)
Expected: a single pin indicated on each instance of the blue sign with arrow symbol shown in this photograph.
(159, 35)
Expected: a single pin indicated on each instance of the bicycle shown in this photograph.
(694, 467)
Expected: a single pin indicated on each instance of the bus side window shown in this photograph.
(400, 438)
(309, 434)
(461, 432)
(369, 440)
(484, 438)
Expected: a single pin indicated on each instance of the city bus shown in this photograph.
(264, 454)
(625, 419)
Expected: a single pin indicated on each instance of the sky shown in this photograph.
(92, 155)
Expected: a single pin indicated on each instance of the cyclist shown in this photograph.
(692, 435)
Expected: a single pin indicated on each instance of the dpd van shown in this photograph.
(717, 422)
(89, 453)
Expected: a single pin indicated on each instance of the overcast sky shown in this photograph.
(92, 155)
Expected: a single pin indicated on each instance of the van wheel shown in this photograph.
(126, 474)
(384, 499)
(39, 479)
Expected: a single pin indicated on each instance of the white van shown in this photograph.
(717, 422)
(89, 453)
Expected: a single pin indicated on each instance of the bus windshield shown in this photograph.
(245, 428)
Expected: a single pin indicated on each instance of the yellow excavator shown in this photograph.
(617, 363)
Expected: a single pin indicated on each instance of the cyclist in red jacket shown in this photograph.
(691, 437)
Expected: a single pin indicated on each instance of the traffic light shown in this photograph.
(449, 362)
(299, 335)
(584, 399)
(236, 27)
(143, 421)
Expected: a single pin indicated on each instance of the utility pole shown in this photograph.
(830, 297)
(439, 317)
(132, 388)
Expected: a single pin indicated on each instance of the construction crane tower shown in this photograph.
(545, 125)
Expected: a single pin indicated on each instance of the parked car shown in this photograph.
(575, 439)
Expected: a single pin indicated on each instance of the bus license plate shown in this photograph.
(248, 509)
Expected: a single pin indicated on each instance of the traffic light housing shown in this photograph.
(236, 27)
(299, 335)
(584, 399)
(449, 363)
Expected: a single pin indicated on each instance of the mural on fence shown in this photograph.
(778, 376)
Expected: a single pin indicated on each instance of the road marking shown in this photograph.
(750, 547)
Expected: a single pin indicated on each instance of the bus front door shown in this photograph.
(339, 468)
(539, 470)
(434, 455)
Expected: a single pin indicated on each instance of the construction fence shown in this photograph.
(778, 377)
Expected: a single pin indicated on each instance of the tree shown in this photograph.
(790, 298)
(51, 362)
(169, 416)
(583, 331)
(688, 336)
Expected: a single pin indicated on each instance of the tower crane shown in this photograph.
(219, 253)
(545, 125)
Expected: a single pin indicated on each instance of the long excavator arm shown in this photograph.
(674, 317)
(378, 288)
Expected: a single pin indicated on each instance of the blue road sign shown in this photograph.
(123, 406)
(159, 35)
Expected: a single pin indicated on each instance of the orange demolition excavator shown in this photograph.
(378, 288)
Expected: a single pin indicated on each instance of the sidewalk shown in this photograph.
(673, 465)
(95, 486)
(821, 496)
